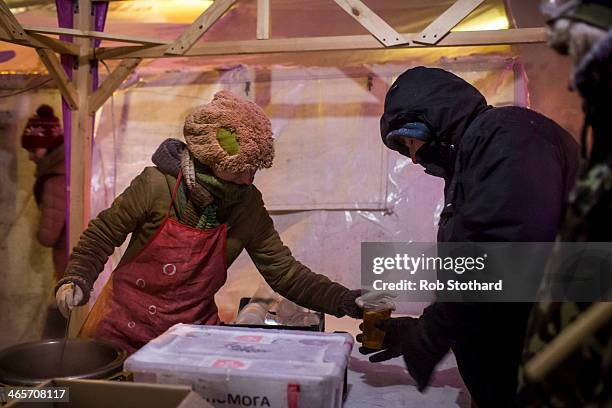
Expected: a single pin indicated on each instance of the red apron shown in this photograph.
(173, 279)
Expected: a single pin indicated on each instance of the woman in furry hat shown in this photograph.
(190, 217)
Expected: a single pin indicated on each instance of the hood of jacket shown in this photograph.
(446, 103)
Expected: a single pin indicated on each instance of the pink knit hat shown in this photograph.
(43, 130)
(230, 134)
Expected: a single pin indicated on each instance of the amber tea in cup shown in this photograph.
(372, 337)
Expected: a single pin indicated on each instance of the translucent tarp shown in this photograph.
(330, 165)
(333, 183)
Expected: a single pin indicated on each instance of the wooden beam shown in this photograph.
(5, 35)
(577, 333)
(435, 31)
(56, 71)
(263, 19)
(28, 3)
(112, 82)
(492, 37)
(199, 27)
(10, 23)
(59, 46)
(95, 34)
(41, 41)
(355, 42)
(117, 52)
(372, 22)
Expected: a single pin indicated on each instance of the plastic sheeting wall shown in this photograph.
(333, 183)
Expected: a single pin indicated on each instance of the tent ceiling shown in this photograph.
(289, 18)
(525, 13)
(167, 19)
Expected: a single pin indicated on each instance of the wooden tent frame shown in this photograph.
(84, 102)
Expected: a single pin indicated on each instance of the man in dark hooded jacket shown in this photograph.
(507, 174)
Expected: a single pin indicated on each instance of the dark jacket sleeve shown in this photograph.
(106, 232)
(288, 276)
(512, 189)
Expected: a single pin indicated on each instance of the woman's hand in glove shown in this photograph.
(348, 305)
(405, 336)
(67, 297)
(353, 301)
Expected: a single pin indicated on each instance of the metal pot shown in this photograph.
(29, 364)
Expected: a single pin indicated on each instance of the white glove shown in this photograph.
(67, 297)
(376, 298)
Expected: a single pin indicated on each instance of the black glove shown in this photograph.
(348, 305)
(405, 336)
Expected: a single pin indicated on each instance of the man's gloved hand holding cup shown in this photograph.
(376, 306)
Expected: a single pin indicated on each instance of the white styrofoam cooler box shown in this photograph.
(243, 367)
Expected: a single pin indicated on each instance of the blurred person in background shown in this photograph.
(582, 30)
(43, 138)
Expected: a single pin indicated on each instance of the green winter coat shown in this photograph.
(141, 209)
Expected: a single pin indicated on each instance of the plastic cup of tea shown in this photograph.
(373, 337)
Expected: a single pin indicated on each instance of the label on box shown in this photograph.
(228, 362)
(234, 394)
(242, 393)
(251, 338)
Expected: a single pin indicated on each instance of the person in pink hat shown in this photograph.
(43, 138)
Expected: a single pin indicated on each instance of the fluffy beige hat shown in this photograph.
(230, 134)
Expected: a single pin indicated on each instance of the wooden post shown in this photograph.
(263, 19)
(80, 148)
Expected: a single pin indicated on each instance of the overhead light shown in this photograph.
(493, 18)
(158, 11)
